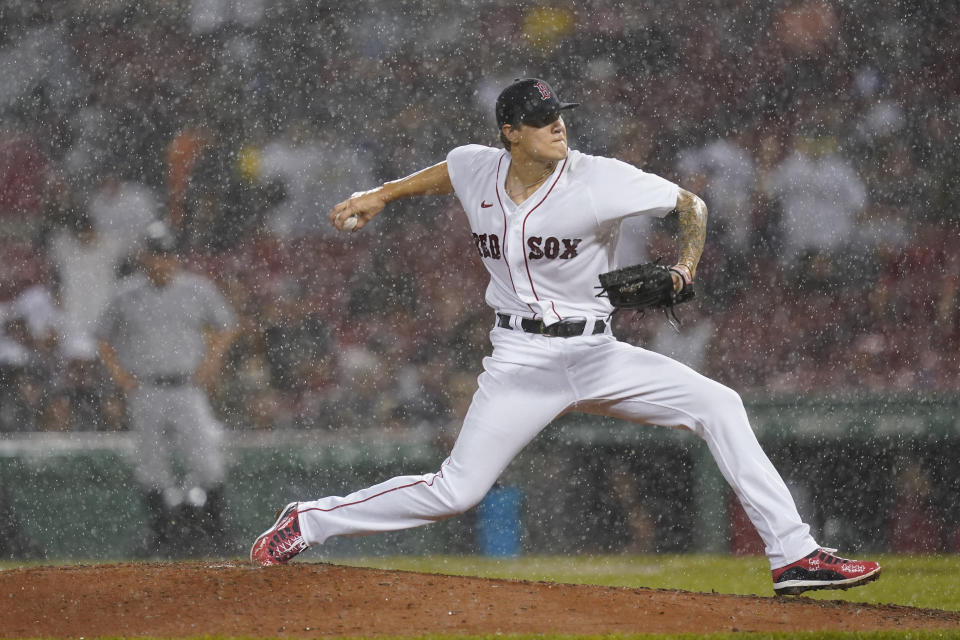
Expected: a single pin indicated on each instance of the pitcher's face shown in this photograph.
(541, 141)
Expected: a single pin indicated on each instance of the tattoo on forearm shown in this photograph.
(692, 215)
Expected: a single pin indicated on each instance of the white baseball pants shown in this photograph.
(527, 382)
(175, 420)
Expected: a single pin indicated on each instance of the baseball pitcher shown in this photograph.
(545, 222)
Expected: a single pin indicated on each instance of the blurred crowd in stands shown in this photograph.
(822, 135)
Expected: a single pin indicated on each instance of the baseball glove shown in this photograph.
(643, 286)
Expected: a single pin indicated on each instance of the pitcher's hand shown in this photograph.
(363, 205)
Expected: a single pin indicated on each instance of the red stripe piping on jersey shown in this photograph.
(503, 249)
(524, 233)
(382, 493)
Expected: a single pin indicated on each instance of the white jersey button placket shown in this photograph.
(517, 249)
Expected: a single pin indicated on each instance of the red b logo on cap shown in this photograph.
(543, 89)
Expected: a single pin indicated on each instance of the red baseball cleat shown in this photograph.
(823, 570)
(281, 542)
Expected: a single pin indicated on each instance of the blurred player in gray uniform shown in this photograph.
(162, 338)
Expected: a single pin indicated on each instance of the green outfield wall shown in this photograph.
(855, 465)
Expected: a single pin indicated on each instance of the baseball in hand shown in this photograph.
(349, 224)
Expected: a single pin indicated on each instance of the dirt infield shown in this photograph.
(308, 600)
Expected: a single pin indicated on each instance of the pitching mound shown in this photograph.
(231, 599)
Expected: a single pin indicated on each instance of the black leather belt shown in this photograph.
(562, 329)
(172, 380)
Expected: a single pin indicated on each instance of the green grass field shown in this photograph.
(917, 581)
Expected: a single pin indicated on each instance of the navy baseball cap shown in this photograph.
(529, 101)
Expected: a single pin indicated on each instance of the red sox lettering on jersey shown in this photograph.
(543, 254)
(488, 246)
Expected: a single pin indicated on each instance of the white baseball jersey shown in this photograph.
(161, 330)
(544, 254)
